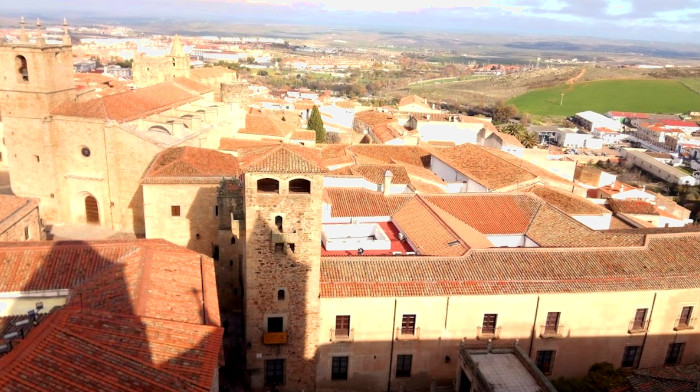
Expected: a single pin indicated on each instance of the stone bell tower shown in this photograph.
(34, 78)
(283, 202)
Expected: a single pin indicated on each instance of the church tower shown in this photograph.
(34, 78)
(180, 61)
(283, 202)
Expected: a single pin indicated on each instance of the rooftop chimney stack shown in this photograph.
(388, 175)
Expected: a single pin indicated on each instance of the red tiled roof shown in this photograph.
(300, 134)
(210, 72)
(356, 202)
(385, 133)
(260, 124)
(373, 118)
(664, 262)
(413, 99)
(489, 213)
(11, 205)
(682, 378)
(508, 139)
(131, 105)
(233, 144)
(76, 349)
(141, 315)
(375, 173)
(285, 158)
(429, 234)
(192, 86)
(193, 162)
(679, 123)
(568, 202)
(633, 207)
(412, 155)
(630, 114)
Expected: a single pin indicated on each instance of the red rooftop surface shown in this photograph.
(396, 245)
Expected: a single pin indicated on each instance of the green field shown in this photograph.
(648, 96)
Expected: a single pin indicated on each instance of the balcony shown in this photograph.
(684, 323)
(408, 334)
(283, 238)
(488, 333)
(638, 327)
(551, 331)
(342, 335)
(275, 338)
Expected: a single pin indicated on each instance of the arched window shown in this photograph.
(268, 185)
(278, 223)
(300, 185)
(21, 63)
(233, 240)
(158, 128)
(280, 295)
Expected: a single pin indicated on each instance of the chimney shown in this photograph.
(433, 106)
(622, 188)
(388, 175)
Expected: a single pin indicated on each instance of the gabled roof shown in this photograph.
(357, 202)
(375, 173)
(413, 99)
(11, 208)
(637, 207)
(132, 105)
(682, 378)
(568, 202)
(141, 315)
(373, 118)
(285, 158)
(429, 234)
(663, 262)
(193, 162)
(260, 124)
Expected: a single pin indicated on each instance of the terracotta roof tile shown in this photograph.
(426, 232)
(285, 158)
(373, 118)
(130, 105)
(568, 202)
(682, 378)
(11, 207)
(633, 207)
(412, 155)
(233, 144)
(666, 262)
(210, 72)
(301, 134)
(192, 86)
(489, 213)
(356, 202)
(193, 162)
(413, 99)
(267, 125)
(375, 173)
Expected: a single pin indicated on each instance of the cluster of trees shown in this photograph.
(601, 377)
(527, 139)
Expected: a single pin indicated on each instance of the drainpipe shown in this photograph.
(534, 328)
(391, 352)
(644, 341)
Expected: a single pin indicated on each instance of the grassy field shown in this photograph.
(649, 96)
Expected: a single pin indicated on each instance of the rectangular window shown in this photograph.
(36, 158)
(403, 365)
(489, 324)
(275, 324)
(274, 372)
(686, 313)
(408, 324)
(174, 210)
(216, 210)
(674, 353)
(342, 326)
(26, 233)
(339, 368)
(631, 356)
(552, 323)
(545, 361)
(279, 247)
(640, 319)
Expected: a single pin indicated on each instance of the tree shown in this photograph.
(601, 377)
(529, 139)
(501, 112)
(315, 123)
(514, 129)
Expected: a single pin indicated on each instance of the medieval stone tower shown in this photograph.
(34, 78)
(283, 201)
(148, 71)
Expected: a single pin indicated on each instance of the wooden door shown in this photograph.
(92, 213)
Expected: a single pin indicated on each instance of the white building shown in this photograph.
(591, 120)
(608, 135)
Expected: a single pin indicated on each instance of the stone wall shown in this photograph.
(24, 225)
(295, 269)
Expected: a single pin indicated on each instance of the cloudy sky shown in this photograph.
(647, 20)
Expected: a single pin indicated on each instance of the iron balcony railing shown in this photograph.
(684, 323)
(637, 326)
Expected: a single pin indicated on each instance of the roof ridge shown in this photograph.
(441, 221)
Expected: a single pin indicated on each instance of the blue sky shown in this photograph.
(647, 20)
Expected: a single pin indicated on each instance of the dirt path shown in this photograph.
(577, 77)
